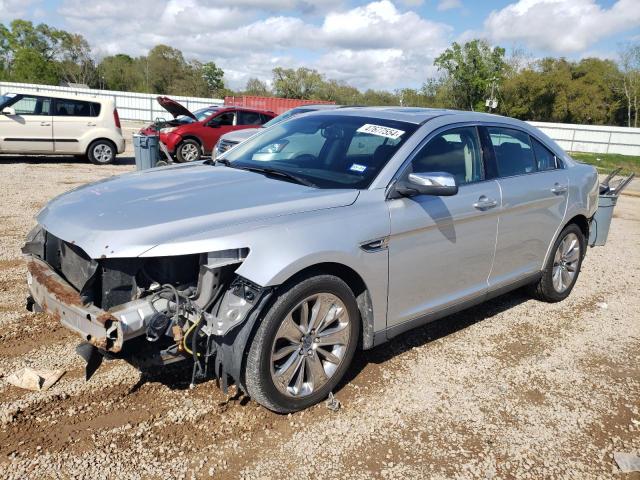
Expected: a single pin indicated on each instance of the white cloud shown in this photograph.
(12, 9)
(563, 26)
(376, 45)
(449, 5)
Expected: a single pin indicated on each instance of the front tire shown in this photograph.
(188, 151)
(563, 266)
(101, 152)
(304, 345)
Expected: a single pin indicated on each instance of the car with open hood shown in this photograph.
(269, 269)
(190, 135)
(179, 113)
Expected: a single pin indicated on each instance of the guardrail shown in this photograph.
(593, 138)
(131, 106)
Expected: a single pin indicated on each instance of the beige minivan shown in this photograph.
(60, 124)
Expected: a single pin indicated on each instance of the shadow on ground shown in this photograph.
(126, 159)
(178, 376)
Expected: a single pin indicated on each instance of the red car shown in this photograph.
(188, 137)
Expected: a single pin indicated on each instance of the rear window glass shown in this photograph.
(514, 155)
(76, 108)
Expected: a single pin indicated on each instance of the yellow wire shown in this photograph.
(186, 335)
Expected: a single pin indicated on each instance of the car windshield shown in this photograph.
(5, 98)
(200, 114)
(286, 115)
(328, 151)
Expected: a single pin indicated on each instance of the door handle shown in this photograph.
(485, 203)
(559, 189)
(91, 124)
(45, 124)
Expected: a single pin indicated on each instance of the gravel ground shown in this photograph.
(514, 388)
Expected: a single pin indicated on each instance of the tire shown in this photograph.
(161, 163)
(563, 266)
(101, 152)
(340, 324)
(188, 151)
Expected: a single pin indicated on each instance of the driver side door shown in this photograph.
(441, 248)
(217, 126)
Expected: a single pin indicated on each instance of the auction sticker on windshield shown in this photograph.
(381, 131)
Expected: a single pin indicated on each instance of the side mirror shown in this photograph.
(8, 111)
(441, 184)
(213, 124)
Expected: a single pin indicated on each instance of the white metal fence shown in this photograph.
(593, 138)
(143, 106)
(131, 106)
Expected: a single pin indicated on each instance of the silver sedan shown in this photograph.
(331, 231)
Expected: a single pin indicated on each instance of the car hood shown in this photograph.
(127, 215)
(238, 136)
(174, 108)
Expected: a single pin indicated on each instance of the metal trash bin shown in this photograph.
(610, 189)
(599, 230)
(147, 152)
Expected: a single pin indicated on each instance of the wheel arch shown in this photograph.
(582, 223)
(105, 139)
(357, 285)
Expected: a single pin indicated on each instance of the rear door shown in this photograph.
(534, 201)
(441, 249)
(73, 120)
(30, 129)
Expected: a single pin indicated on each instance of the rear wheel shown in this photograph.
(304, 345)
(101, 152)
(563, 266)
(189, 151)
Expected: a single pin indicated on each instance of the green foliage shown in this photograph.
(213, 76)
(591, 90)
(606, 162)
(471, 68)
(256, 87)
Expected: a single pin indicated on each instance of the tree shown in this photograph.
(30, 66)
(302, 83)
(213, 77)
(76, 61)
(120, 72)
(256, 87)
(162, 66)
(471, 68)
(630, 80)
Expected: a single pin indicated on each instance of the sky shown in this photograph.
(386, 44)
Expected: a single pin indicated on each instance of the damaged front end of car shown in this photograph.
(149, 311)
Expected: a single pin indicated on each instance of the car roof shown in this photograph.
(415, 115)
(63, 95)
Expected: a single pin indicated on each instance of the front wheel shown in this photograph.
(563, 266)
(189, 151)
(101, 152)
(304, 344)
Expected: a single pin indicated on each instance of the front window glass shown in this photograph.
(224, 119)
(28, 105)
(330, 151)
(514, 155)
(455, 151)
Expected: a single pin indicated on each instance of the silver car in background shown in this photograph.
(270, 268)
(231, 139)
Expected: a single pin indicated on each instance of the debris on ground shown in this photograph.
(627, 462)
(333, 403)
(602, 305)
(36, 380)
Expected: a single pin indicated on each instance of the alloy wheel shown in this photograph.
(565, 262)
(189, 152)
(310, 345)
(102, 153)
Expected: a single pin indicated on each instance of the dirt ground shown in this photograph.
(514, 388)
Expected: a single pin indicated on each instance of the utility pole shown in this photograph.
(491, 102)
